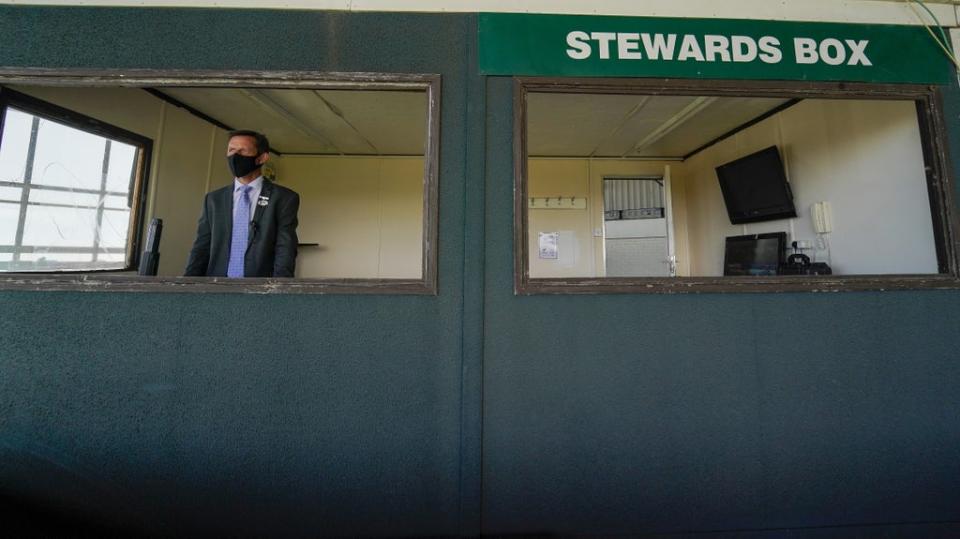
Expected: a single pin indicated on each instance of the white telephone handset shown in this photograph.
(821, 216)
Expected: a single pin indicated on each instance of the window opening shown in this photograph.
(859, 193)
(361, 150)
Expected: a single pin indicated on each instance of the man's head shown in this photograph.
(247, 151)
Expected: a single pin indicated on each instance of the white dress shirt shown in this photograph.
(253, 195)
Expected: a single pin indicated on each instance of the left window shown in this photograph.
(70, 189)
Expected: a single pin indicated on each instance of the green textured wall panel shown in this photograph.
(250, 414)
(306, 414)
(811, 415)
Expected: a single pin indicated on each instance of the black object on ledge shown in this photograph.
(151, 256)
(812, 268)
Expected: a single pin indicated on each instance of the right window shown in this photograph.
(660, 186)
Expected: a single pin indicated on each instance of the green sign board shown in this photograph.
(606, 46)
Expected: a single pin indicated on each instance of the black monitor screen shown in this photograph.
(754, 254)
(755, 188)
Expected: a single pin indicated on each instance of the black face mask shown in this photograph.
(241, 165)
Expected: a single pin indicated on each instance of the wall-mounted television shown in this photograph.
(755, 188)
(754, 254)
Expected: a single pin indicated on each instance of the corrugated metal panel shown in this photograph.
(632, 193)
(637, 257)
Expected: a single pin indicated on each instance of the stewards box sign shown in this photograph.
(602, 46)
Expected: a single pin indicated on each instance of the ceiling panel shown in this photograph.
(348, 122)
(656, 111)
(600, 125)
(716, 119)
(234, 107)
(573, 124)
(394, 121)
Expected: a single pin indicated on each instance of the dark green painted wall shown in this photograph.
(812, 415)
(336, 414)
(368, 414)
(330, 415)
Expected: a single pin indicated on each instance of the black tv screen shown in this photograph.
(754, 254)
(755, 188)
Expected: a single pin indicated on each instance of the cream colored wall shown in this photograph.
(191, 158)
(864, 157)
(581, 250)
(187, 157)
(366, 214)
(575, 249)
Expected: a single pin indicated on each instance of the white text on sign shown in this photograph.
(713, 48)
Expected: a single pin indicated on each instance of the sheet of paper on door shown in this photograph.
(549, 245)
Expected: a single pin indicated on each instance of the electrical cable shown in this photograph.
(943, 44)
(934, 17)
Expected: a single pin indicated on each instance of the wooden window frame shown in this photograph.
(427, 284)
(935, 153)
(81, 122)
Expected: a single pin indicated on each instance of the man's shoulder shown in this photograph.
(220, 194)
(279, 190)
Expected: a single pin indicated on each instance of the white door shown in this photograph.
(638, 223)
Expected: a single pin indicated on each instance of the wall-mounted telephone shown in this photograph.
(821, 216)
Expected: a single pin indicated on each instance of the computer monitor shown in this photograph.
(754, 254)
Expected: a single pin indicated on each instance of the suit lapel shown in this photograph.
(265, 191)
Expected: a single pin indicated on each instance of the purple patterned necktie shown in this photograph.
(241, 231)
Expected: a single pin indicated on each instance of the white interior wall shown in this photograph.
(581, 247)
(187, 157)
(864, 157)
(575, 247)
(365, 213)
(191, 158)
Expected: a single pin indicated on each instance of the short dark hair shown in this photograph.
(263, 145)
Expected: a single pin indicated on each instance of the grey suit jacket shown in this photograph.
(272, 241)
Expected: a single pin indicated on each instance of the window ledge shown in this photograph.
(737, 285)
(74, 282)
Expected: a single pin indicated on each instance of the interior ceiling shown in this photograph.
(601, 125)
(388, 122)
(332, 122)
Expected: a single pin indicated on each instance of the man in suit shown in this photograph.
(248, 228)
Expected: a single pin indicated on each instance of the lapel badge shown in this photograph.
(263, 201)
